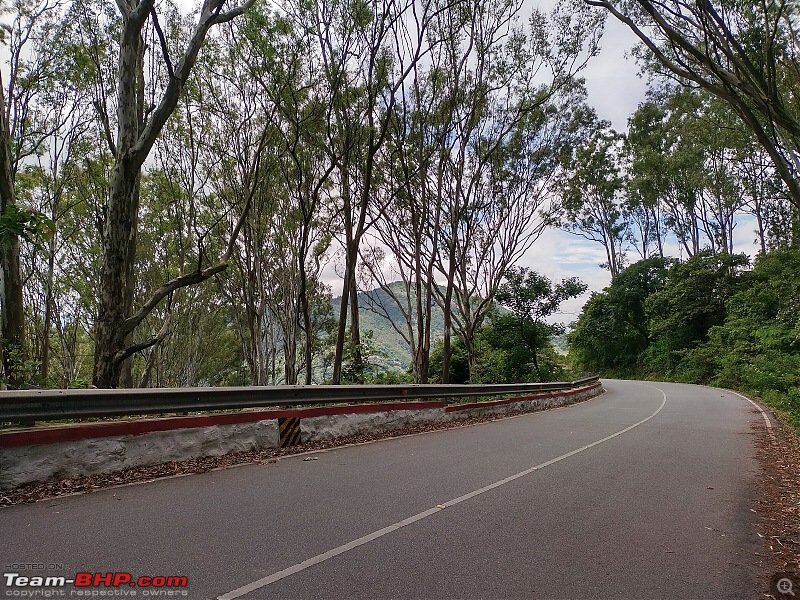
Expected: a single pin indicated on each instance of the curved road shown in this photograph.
(644, 492)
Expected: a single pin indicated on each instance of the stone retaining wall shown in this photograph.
(52, 453)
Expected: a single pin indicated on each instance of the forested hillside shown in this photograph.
(709, 319)
(175, 181)
(382, 315)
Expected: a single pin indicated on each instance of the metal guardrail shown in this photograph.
(39, 405)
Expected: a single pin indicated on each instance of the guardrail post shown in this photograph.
(289, 430)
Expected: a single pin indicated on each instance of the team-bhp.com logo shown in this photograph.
(115, 584)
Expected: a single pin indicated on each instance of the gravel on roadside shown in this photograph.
(778, 507)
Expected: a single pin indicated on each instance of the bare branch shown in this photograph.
(162, 40)
(100, 107)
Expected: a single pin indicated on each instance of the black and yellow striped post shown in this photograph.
(289, 430)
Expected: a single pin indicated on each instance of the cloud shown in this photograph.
(614, 88)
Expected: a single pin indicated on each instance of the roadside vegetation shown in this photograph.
(178, 184)
(709, 319)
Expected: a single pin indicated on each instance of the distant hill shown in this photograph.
(395, 351)
(560, 343)
(387, 341)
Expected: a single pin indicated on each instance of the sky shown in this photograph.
(615, 90)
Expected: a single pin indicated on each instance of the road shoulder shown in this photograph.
(778, 453)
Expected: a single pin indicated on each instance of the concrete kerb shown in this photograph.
(70, 451)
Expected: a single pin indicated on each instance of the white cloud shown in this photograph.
(615, 90)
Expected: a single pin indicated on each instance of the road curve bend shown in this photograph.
(645, 492)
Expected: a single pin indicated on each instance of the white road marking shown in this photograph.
(315, 560)
(764, 414)
(767, 422)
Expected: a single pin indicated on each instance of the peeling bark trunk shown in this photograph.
(119, 245)
(135, 139)
(13, 316)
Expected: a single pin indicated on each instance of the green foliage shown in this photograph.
(459, 364)
(524, 333)
(705, 321)
(26, 223)
(390, 378)
(504, 354)
(612, 331)
(514, 346)
(591, 196)
(691, 302)
(371, 360)
(23, 368)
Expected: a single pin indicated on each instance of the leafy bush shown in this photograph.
(706, 321)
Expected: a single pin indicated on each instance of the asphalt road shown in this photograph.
(644, 492)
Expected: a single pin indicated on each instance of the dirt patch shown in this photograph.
(779, 501)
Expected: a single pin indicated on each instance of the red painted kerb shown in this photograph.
(102, 429)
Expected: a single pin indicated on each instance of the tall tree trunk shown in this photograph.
(340, 332)
(44, 367)
(338, 357)
(447, 350)
(13, 316)
(305, 307)
(355, 330)
(119, 245)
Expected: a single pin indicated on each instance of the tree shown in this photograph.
(531, 298)
(690, 303)
(368, 49)
(138, 127)
(22, 132)
(745, 53)
(647, 182)
(407, 225)
(591, 197)
(613, 329)
(516, 104)
(757, 348)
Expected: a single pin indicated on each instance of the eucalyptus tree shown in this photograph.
(237, 154)
(718, 131)
(745, 53)
(257, 85)
(407, 213)
(763, 195)
(592, 203)
(138, 126)
(679, 173)
(23, 129)
(696, 168)
(286, 66)
(49, 182)
(368, 48)
(648, 180)
(514, 105)
(511, 205)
